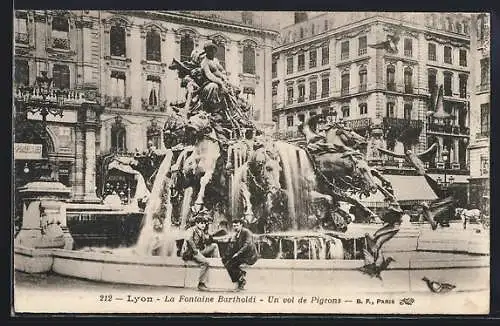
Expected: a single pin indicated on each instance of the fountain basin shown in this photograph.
(468, 273)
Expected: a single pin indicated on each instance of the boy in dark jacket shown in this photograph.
(242, 250)
(198, 246)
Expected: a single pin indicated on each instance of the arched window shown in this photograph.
(408, 76)
(391, 78)
(221, 54)
(248, 59)
(117, 41)
(60, 32)
(60, 76)
(118, 137)
(362, 78)
(153, 46)
(187, 46)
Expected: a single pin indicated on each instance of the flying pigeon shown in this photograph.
(374, 267)
(438, 287)
(416, 160)
(436, 208)
(391, 44)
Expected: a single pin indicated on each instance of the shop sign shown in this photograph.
(26, 151)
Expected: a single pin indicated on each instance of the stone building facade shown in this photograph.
(137, 47)
(123, 56)
(57, 43)
(330, 63)
(479, 148)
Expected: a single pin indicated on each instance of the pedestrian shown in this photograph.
(198, 246)
(241, 250)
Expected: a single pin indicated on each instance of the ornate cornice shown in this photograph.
(404, 30)
(352, 33)
(446, 40)
(307, 47)
(154, 26)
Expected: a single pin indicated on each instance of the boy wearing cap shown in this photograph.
(198, 246)
(242, 251)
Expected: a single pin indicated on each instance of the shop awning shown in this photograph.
(408, 190)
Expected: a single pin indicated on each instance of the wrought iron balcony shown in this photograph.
(359, 124)
(312, 96)
(362, 51)
(408, 53)
(402, 123)
(312, 64)
(362, 87)
(432, 56)
(344, 91)
(160, 107)
(118, 102)
(448, 129)
(61, 43)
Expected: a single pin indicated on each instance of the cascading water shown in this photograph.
(149, 239)
(299, 179)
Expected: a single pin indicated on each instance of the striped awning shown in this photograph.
(407, 189)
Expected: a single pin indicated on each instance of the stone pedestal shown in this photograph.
(44, 221)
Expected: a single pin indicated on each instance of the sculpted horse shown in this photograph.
(196, 163)
(260, 190)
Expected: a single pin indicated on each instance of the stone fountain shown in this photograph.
(299, 201)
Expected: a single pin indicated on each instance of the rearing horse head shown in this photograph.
(346, 136)
(264, 166)
(353, 165)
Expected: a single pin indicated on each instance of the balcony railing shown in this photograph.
(300, 99)
(344, 91)
(324, 61)
(409, 89)
(432, 56)
(312, 96)
(408, 53)
(324, 95)
(312, 64)
(391, 87)
(21, 37)
(463, 63)
(447, 60)
(448, 92)
(300, 67)
(289, 101)
(359, 124)
(72, 96)
(362, 87)
(118, 102)
(448, 129)
(403, 123)
(344, 56)
(61, 43)
(362, 51)
(160, 107)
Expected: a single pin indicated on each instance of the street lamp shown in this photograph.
(446, 181)
(42, 98)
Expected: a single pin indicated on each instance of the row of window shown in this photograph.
(119, 137)
(363, 110)
(447, 83)
(313, 90)
(447, 55)
(117, 34)
(60, 75)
